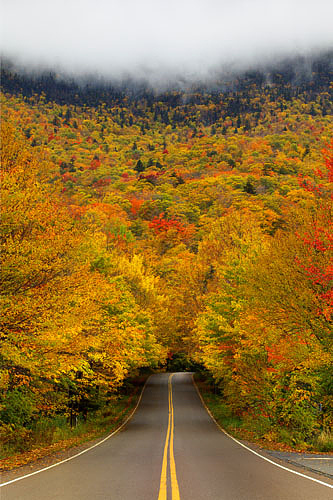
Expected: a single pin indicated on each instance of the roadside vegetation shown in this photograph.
(22, 444)
(260, 429)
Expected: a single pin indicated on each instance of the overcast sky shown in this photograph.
(156, 38)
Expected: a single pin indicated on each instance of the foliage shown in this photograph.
(166, 230)
(68, 330)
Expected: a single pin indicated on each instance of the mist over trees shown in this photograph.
(149, 40)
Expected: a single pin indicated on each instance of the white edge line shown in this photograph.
(252, 451)
(84, 451)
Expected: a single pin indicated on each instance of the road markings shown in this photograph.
(169, 446)
(254, 452)
(174, 482)
(84, 451)
(163, 482)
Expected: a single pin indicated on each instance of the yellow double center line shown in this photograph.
(169, 445)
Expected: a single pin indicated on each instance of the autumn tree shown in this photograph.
(65, 323)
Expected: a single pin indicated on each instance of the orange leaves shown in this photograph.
(77, 211)
(136, 205)
(274, 355)
(107, 212)
(286, 354)
(68, 177)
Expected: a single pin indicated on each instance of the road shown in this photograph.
(170, 450)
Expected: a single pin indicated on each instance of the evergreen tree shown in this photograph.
(249, 187)
(139, 167)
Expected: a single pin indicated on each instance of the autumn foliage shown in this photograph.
(156, 226)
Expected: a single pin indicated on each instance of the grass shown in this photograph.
(324, 441)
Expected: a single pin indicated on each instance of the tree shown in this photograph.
(139, 167)
(65, 323)
(249, 187)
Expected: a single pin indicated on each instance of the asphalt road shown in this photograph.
(170, 450)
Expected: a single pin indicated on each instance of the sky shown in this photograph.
(161, 39)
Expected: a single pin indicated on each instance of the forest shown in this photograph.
(176, 229)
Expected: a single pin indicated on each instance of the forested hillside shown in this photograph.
(140, 226)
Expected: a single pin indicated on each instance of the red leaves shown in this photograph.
(77, 211)
(161, 225)
(102, 182)
(68, 177)
(318, 264)
(328, 158)
(94, 164)
(321, 239)
(309, 184)
(125, 176)
(171, 229)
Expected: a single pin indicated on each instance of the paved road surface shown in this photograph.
(170, 450)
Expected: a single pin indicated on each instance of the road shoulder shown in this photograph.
(318, 463)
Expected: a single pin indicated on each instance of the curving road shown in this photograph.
(170, 450)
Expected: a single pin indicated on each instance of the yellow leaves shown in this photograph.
(4, 379)
(299, 196)
(143, 283)
(271, 436)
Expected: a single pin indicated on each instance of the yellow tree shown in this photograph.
(62, 317)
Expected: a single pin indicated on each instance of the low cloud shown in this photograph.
(161, 39)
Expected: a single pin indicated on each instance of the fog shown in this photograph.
(161, 39)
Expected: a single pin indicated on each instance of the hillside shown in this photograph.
(141, 226)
